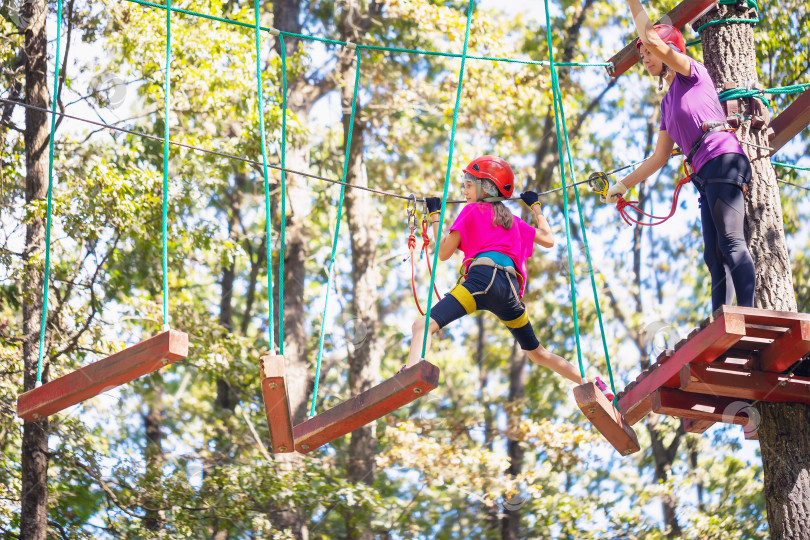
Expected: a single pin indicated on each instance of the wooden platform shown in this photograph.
(681, 15)
(604, 416)
(790, 122)
(277, 403)
(737, 356)
(98, 377)
(366, 407)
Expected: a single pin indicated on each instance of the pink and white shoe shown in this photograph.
(603, 387)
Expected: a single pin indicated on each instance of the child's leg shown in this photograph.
(548, 359)
(417, 333)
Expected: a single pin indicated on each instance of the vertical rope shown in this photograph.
(587, 249)
(447, 176)
(165, 216)
(557, 114)
(268, 226)
(283, 195)
(49, 210)
(337, 231)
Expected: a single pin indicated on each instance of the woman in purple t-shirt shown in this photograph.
(496, 245)
(689, 110)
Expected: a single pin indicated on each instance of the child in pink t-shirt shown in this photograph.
(496, 245)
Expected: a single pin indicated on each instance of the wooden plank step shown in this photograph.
(703, 407)
(604, 416)
(366, 407)
(706, 346)
(787, 349)
(105, 374)
(277, 403)
(679, 16)
(691, 425)
(767, 317)
(763, 331)
(735, 382)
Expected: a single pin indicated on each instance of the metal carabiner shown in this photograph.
(599, 183)
(410, 208)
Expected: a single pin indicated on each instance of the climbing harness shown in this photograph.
(486, 261)
(411, 222)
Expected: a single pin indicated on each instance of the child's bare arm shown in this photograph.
(543, 235)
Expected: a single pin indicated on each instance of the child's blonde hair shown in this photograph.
(501, 216)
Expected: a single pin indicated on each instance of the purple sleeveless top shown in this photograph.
(688, 103)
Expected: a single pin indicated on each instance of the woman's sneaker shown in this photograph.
(603, 387)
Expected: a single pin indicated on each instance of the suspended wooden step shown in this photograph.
(681, 15)
(277, 403)
(604, 416)
(737, 356)
(366, 407)
(98, 377)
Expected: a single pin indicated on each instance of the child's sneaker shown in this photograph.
(603, 387)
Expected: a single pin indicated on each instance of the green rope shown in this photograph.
(789, 166)
(447, 175)
(735, 93)
(585, 242)
(165, 217)
(367, 47)
(719, 21)
(49, 210)
(283, 195)
(337, 232)
(268, 224)
(557, 114)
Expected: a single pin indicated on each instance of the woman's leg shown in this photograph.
(721, 292)
(728, 215)
(418, 331)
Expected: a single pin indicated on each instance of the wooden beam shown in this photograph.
(604, 416)
(766, 317)
(712, 341)
(366, 407)
(790, 122)
(98, 377)
(787, 349)
(277, 403)
(696, 426)
(702, 407)
(681, 15)
(738, 383)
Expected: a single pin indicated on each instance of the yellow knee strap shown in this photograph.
(464, 298)
(520, 322)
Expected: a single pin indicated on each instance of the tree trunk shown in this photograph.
(730, 55)
(510, 524)
(34, 495)
(153, 454)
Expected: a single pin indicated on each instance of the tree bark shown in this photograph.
(510, 524)
(34, 495)
(730, 55)
(152, 422)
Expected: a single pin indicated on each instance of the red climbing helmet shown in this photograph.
(671, 36)
(495, 169)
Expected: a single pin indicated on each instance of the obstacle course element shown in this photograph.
(91, 380)
(374, 403)
(736, 356)
(790, 122)
(681, 15)
(603, 415)
(277, 403)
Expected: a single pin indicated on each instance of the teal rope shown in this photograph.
(557, 114)
(585, 243)
(165, 217)
(735, 93)
(731, 20)
(367, 47)
(447, 176)
(268, 224)
(283, 196)
(789, 166)
(48, 211)
(337, 231)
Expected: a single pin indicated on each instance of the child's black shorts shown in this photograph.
(482, 290)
